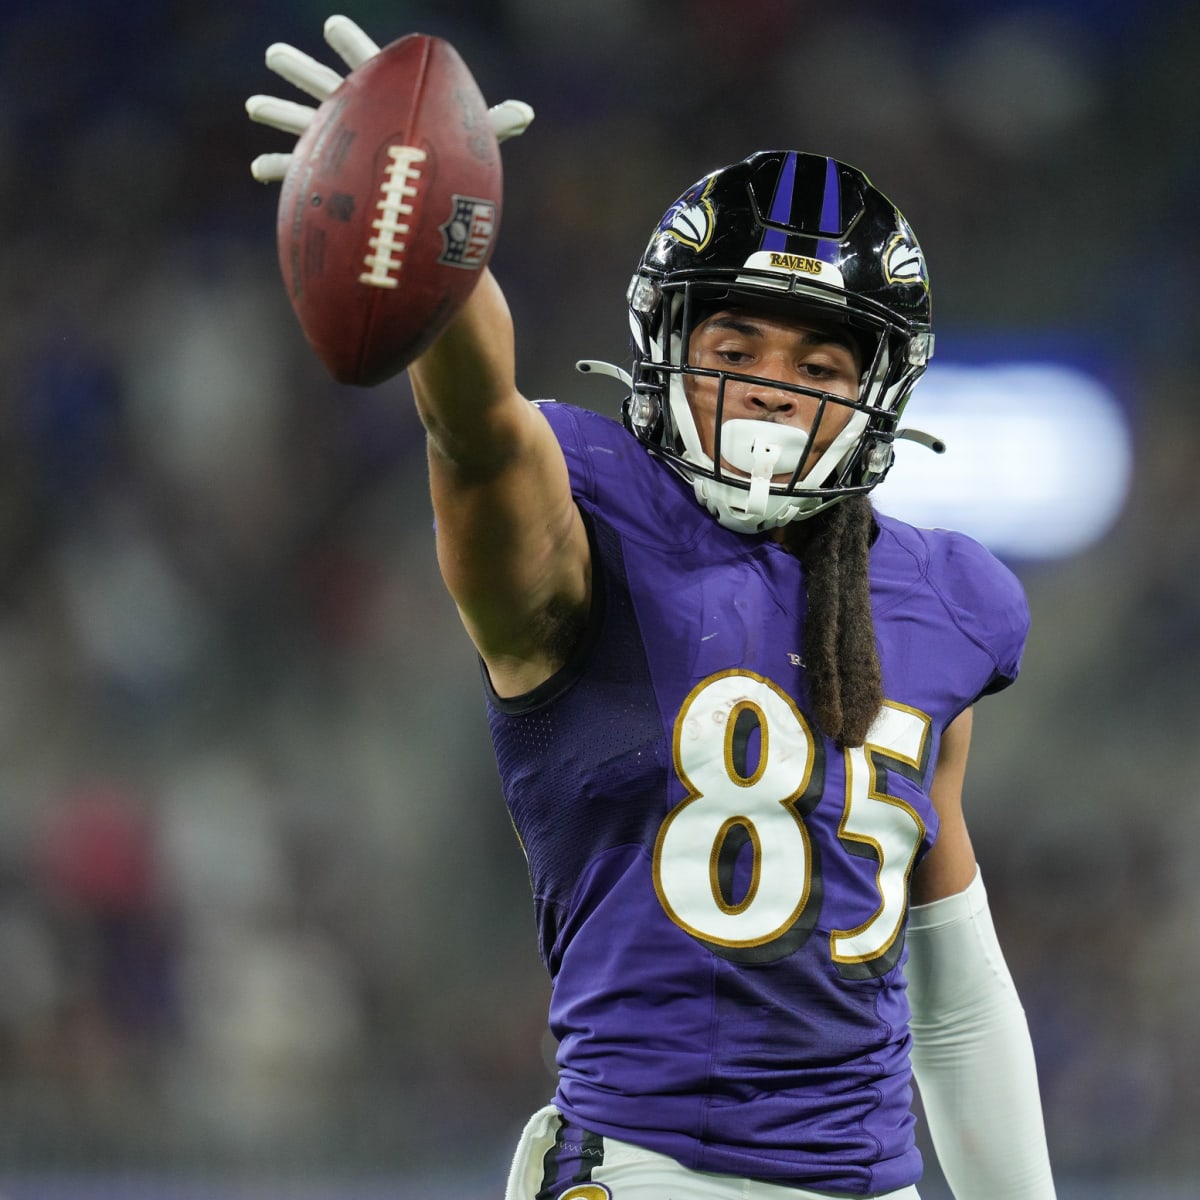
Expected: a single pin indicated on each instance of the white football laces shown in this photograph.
(508, 119)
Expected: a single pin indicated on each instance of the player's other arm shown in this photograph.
(972, 1054)
(512, 546)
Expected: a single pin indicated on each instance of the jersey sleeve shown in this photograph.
(564, 420)
(986, 601)
(613, 474)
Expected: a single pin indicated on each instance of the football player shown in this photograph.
(731, 706)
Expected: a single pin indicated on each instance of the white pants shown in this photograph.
(625, 1172)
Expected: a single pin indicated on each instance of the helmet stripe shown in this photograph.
(781, 205)
(831, 213)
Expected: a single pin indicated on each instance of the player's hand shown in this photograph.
(508, 119)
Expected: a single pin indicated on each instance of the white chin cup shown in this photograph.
(762, 450)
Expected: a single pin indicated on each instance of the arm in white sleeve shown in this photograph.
(972, 1055)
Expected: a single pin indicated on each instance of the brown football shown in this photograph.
(389, 209)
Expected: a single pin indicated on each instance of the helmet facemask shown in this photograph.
(763, 474)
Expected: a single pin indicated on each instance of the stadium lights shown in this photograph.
(1037, 464)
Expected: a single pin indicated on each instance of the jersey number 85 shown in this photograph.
(736, 806)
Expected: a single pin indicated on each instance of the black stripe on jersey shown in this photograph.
(573, 1147)
(550, 1183)
(591, 1155)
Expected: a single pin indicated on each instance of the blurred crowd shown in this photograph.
(259, 899)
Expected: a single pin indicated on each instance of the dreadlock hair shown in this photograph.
(840, 653)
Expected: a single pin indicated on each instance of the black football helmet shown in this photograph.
(792, 232)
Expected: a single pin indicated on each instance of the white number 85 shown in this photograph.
(731, 803)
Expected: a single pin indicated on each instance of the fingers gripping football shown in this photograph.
(508, 119)
(391, 198)
(349, 41)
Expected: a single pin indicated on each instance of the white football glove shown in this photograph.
(508, 119)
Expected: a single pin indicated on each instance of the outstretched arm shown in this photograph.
(972, 1054)
(512, 546)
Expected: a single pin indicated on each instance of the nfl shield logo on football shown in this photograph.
(468, 233)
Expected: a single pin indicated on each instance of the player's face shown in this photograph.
(772, 347)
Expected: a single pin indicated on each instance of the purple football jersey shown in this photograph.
(720, 892)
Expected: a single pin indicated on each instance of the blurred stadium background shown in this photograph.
(264, 927)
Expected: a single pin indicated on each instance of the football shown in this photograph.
(389, 209)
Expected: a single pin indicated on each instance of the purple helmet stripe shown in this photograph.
(831, 214)
(831, 209)
(781, 205)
